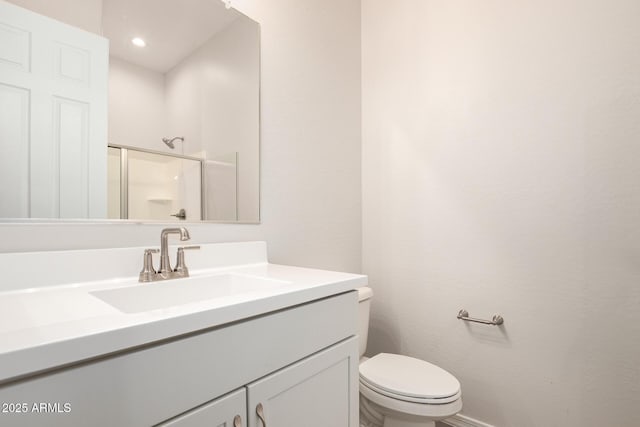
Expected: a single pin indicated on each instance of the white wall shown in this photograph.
(500, 175)
(211, 99)
(137, 114)
(310, 147)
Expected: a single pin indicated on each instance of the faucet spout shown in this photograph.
(165, 264)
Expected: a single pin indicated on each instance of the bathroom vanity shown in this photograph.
(240, 343)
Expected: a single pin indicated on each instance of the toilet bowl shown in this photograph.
(402, 391)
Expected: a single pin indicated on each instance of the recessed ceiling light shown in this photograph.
(138, 42)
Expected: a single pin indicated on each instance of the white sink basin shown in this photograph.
(143, 297)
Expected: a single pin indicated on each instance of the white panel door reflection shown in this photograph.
(53, 118)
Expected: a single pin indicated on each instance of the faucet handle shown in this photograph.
(148, 272)
(181, 267)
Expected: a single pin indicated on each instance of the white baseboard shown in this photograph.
(464, 421)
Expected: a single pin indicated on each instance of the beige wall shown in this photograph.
(85, 14)
(310, 147)
(500, 175)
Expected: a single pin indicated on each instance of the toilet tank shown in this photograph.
(364, 306)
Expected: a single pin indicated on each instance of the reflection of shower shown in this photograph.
(169, 142)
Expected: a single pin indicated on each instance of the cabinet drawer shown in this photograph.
(220, 413)
(153, 384)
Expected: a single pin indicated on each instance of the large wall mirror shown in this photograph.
(129, 109)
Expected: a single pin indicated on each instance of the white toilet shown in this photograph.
(401, 391)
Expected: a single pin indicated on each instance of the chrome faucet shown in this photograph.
(149, 274)
(165, 266)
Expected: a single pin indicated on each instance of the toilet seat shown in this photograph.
(389, 406)
(408, 379)
(426, 401)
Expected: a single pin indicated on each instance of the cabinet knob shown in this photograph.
(237, 421)
(260, 413)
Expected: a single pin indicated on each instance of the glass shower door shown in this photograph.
(153, 186)
(163, 187)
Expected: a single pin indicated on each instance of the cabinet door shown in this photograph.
(319, 391)
(227, 411)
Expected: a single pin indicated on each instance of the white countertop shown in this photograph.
(46, 327)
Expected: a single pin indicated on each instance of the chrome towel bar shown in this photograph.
(464, 315)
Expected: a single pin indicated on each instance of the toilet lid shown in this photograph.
(405, 376)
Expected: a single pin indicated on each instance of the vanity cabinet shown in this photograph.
(300, 364)
(314, 392)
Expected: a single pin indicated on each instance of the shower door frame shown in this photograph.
(124, 175)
